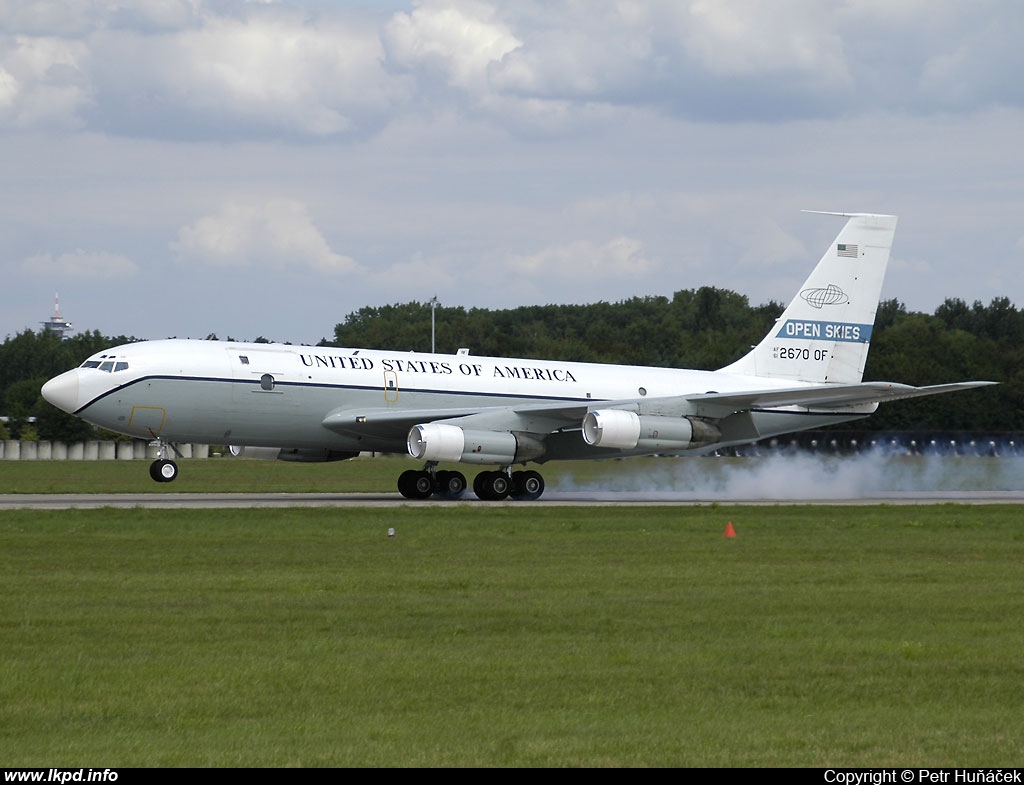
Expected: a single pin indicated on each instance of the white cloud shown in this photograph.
(275, 70)
(749, 37)
(189, 68)
(277, 234)
(9, 88)
(81, 264)
(42, 81)
(621, 257)
(463, 39)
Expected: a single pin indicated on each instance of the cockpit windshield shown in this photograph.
(107, 363)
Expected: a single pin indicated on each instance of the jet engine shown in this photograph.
(294, 454)
(626, 430)
(442, 442)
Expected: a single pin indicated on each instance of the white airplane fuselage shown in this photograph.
(273, 395)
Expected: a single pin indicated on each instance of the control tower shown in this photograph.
(56, 323)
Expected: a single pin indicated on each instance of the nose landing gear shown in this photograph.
(164, 469)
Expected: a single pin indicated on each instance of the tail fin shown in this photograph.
(824, 334)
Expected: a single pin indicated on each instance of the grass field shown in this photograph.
(774, 477)
(524, 636)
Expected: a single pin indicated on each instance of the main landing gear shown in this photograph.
(164, 469)
(489, 485)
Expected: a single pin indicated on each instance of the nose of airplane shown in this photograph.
(62, 391)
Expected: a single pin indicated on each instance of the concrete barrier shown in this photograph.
(136, 450)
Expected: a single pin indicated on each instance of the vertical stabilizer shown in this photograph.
(824, 334)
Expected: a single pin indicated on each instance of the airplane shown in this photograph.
(302, 403)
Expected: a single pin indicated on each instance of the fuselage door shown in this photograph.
(258, 378)
(390, 386)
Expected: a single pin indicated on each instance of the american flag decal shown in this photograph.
(845, 249)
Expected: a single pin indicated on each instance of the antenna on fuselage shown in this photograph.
(433, 307)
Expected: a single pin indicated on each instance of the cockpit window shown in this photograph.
(106, 363)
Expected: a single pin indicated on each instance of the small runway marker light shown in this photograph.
(730, 532)
(391, 532)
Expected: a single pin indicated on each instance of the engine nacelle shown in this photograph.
(434, 441)
(294, 454)
(626, 430)
(612, 428)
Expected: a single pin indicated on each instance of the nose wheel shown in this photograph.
(163, 470)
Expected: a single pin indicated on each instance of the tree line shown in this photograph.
(699, 328)
(709, 328)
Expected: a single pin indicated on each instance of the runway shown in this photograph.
(196, 501)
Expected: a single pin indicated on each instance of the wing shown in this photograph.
(541, 419)
(825, 397)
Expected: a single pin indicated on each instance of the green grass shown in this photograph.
(215, 475)
(777, 476)
(526, 636)
(225, 475)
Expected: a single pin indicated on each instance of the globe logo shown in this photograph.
(828, 295)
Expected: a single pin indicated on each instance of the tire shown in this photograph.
(451, 485)
(163, 471)
(528, 485)
(492, 486)
(423, 485)
(478, 485)
(407, 483)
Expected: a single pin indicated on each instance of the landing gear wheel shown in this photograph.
(415, 485)
(492, 486)
(528, 485)
(450, 485)
(163, 470)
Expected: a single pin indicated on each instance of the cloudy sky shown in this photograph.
(186, 167)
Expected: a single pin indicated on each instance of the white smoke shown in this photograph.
(801, 476)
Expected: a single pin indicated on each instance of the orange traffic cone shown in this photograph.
(729, 531)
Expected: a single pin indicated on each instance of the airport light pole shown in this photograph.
(433, 307)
